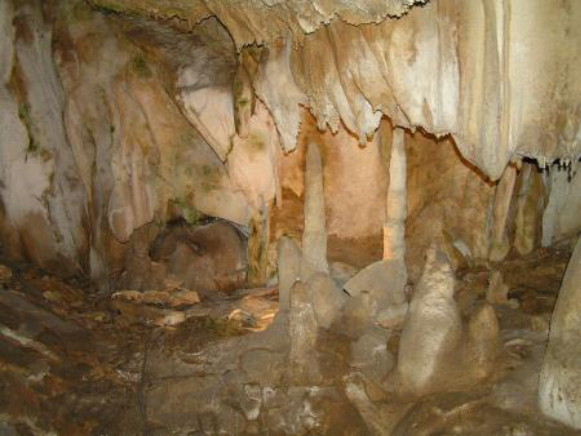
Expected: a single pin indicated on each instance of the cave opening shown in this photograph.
(254, 217)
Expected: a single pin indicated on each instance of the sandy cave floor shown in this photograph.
(73, 363)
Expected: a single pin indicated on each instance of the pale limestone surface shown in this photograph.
(560, 381)
(478, 70)
(432, 331)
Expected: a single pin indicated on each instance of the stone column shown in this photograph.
(396, 205)
(315, 233)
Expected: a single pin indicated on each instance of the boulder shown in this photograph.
(327, 299)
(384, 280)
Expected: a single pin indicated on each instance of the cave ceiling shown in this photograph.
(500, 77)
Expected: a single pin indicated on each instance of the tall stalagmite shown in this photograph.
(560, 383)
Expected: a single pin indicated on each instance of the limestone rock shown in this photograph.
(369, 354)
(154, 307)
(497, 292)
(500, 244)
(560, 382)
(327, 298)
(251, 401)
(315, 233)
(562, 216)
(358, 314)
(376, 422)
(207, 258)
(289, 269)
(178, 298)
(471, 102)
(384, 280)
(437, 208)
(342, 272)
(483, 341)
(263, 366)
(355, 211)
(5, 273)
(529, 207)
(303, 330)
(433, 329)
(393, 316)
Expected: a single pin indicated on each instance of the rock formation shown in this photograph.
(560, 383)
(245, 191)
(436, 351)
(432, 331)
(315, 234)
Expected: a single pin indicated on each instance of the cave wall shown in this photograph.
(94, 145)
(449, 200)
(112, 122)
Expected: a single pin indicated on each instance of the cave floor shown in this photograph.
(74, 363)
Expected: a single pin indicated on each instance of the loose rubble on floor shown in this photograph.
(75, 362)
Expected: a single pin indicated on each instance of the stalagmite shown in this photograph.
(433, 328)
(560, 382)
(303, 330)
(315, 233)
(482, 342)
(289, 269)
(161, 150)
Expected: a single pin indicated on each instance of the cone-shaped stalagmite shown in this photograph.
(303, 330)
(289, 269)
(433, 327)
(560, 383)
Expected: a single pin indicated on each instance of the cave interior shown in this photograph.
(268, 217)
